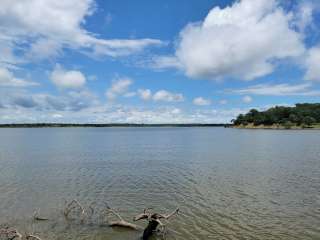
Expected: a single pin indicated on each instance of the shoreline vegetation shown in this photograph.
(301, 116)
(277, 127)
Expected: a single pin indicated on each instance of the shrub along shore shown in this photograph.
(301, 116)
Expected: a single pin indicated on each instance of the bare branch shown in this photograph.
(32, 237)
(154, 222)
(141, 216)
(115, 213)
(167, 216)
(72, 205)
(121, 222)
(37, 217)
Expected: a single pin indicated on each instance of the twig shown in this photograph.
(37, 217)
(72, 205)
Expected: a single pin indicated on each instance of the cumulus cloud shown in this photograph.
(247, 99)
(7, 79)
(118, 87)
(120, 114)
(244, 41)
(284, 89)
(69, 101)
(313, 64)
(200, 101)
(19, 105)
(67, 79)
(42, 30)
(166, 96)
(161, 95)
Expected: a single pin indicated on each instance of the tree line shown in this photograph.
(302, 114)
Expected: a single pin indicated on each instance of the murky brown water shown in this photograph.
(228, 183)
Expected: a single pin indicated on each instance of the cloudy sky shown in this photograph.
(102, 61)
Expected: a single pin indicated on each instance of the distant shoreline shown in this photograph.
(138, 125)
(62, 125)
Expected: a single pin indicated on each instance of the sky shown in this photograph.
(160, 61)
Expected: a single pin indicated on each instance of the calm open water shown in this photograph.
(228, 183)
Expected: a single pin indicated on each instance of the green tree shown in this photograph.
(288, 125)
(308, 121)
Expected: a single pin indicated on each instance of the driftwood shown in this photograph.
(37, 217)
(75, 205)
(32, 237)
(121, 222)
(154, 220)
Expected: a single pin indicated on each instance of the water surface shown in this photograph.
(228, 183)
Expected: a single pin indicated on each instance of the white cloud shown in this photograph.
(118, 87)
(19, 99)
(19, 105)
(7, 79)
(166, 96)
(42, 29)
(313, 64)
(67, 79)
(145, 94)
(120, 114)
(247, 99)
(200, 101)
(161, 95)
(244, 40)
(278, 90)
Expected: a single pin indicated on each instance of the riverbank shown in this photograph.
(278, 126)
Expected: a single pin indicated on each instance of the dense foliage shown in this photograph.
(303, 114)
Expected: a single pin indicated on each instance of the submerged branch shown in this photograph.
(74, 204)
(121, 222)
(37, 217)
(155, 220)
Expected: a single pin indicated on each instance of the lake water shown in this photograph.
(228, 183)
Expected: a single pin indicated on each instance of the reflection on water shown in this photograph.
(228, 183)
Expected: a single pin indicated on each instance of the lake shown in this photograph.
(228, 183)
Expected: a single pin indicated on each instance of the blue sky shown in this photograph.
(155, 61)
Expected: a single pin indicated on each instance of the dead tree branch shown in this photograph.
(37, 217)
(121, 222)
(32, 237)
(154, 221)
(74, 204)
